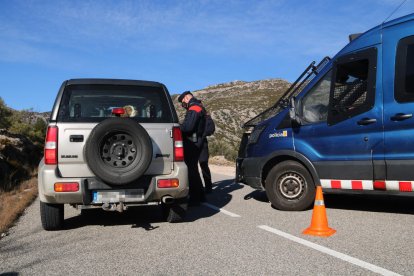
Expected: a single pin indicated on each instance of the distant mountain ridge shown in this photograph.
(230, 105)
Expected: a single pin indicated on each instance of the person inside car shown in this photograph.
(129, 111)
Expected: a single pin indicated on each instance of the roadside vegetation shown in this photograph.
(21, 143)
(14, 202)
(23, 122)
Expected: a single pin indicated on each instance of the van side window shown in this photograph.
(404, 70)
(353, 85)
(315, 102)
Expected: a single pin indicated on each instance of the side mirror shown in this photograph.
(293, 113)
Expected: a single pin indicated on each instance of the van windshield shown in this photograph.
(94, 103)
(296, 87)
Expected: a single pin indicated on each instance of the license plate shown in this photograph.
(115, 196)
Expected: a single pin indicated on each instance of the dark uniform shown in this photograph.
(193, 128)
(203, 160)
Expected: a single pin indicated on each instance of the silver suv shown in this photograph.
(112, 144)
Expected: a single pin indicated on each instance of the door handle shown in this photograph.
(366, 121)
(401, 117)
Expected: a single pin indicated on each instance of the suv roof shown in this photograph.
(114, 81)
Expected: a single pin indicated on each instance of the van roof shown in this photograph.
(373, 36)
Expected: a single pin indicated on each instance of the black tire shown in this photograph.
(86, 212)
(290, 187)
(118, 151)
(52, 216)
(174, 212)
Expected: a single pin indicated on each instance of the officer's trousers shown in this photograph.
(203, 160)
(191, 155)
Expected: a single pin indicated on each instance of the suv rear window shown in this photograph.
(94, 103)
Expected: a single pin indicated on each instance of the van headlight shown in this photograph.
(254, 137)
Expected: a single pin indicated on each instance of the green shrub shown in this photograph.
(35, 132)
(5, 115)
(38, 132)
(218, 147)
(20, 122)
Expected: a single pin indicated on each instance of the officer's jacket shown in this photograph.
(194, 119)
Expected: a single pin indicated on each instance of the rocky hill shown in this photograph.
(21, 143)
(230, 105)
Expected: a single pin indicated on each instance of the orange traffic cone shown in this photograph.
(319, 225)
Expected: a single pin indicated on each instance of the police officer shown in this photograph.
(192, 129)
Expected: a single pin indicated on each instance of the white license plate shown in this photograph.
(114, 196)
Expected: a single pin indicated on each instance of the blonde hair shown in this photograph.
(130, 111)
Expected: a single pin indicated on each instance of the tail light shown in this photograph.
(168, 183)
(178, 144)
(66, 187)
(51, 148)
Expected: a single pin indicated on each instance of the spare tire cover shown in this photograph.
(118, 151)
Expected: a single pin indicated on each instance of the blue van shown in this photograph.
(346, 124)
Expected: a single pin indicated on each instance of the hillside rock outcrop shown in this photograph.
(19, 158)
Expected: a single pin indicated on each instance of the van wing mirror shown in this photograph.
(293, 114)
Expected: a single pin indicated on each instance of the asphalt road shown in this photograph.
(249, 237)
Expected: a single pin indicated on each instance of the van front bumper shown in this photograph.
(249, 172)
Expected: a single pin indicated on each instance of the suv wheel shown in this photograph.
(118, 150)
(51, 216)
(289, 187)
(174, 212)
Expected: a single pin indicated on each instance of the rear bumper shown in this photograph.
(249, 172)
(48, 176)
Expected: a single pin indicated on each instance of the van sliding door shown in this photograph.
(398, 86)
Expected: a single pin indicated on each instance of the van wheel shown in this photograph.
(174, 212)
(290, 187)
(51, 216)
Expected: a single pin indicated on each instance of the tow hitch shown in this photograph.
(120, 207)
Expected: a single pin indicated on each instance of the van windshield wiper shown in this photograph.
(295, 88)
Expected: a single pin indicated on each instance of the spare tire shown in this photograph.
(118, 151)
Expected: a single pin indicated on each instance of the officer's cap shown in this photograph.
(181, 97)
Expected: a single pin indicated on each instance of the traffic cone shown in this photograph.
(319, 225)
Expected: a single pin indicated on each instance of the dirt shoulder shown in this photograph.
(226, 170)
(220, 165)
(13, 204)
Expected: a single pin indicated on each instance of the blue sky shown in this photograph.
(186, 45)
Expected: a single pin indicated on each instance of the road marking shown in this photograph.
(233, 215)
(328, 251)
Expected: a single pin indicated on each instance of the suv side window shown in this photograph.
(315, 102)
(404, 70)
(353, 85)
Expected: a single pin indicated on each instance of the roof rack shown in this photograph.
(295, 88)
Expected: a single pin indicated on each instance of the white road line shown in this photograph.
(233, 215)
(331, 252)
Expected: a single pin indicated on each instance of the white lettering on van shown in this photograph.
(279, 134)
